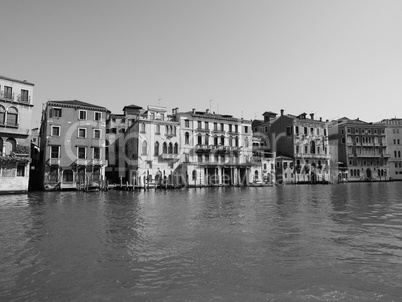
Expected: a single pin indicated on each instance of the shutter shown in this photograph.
(50, 112)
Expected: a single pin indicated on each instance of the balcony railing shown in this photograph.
(23, 99)
(170, 156)
(81, 162)
(53, 161)
(99, 162)
(312, 155)
(6, 96)
(203, 148)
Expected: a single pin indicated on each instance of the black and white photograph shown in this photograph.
(201, 150)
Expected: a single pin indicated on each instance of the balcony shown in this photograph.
(22, 99)
(99, 162)
(368, 155)
(81, 162)
(167, 156)
(216, 131)
(313, 155)
(221, 149)
(53, 161)
(203, 148)
(201, 130)
(6, 96)
(386, 155)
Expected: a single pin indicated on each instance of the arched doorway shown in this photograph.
(68, 176)
(368, 173)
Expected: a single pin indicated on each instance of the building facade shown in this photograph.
(358, 150)
(116, 127)
(152, 146)
(216, 149)
(301, 138)
(16, 104)
(72, 138)
(393, 133)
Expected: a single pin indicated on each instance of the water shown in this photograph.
(290, 243)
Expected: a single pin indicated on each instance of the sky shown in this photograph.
(331, 58)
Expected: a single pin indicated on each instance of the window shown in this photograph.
(144, 148)
(236, 128)
(54, 151)
(176, 149)
(82, 132)
(97, 133)
(305, 130)
(297, 129)
(8, 92)
(215, 140)
(83, 114)
(2, 115)
(206, 126)
(207, 139)
(164, 148)
(245, 129)
(55, 130)
(170, 149)
(349, 130)
(199, 123)
(156, 149)
(230, 127)
(288, 130)
(199, 158)
(186, 123)
(68, 176)
(12, 116)
(82, 153)
(199, 139)
(142, 128)
(57, 112)
(152, 116)
(187, 138)
(98, 116)
(222, 127)
(246, 142)
(215, 126)
(97, 154)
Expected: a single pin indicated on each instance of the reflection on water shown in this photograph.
(291, 243)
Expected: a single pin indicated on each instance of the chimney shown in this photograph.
(174, 111)
(320, 119)
(207, 111)
(312, 116)
(193, 111)
(282, 111)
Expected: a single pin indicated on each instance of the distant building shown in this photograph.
(16, 103)
(300, 138)
(358, 150)
(216, 149)
(116, 127)
(72, 145)
(393, 133)
(152, 145)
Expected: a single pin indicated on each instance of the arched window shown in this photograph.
(176, 148)
(164, 148)
(230, 141)
(170, 151)
(156, 149)
(12, 116)
(167, 129)
(237, 141)
(312, 147)
(2, 115)
(10, 146)
(143, 127)
(207, 139)
(67, 176)
(144, 148)
(199, 139)
(187, 138)
(222, 140)
(174, 130)
(215, 140)
(194, 175)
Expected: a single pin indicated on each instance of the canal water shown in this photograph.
(291, 243)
